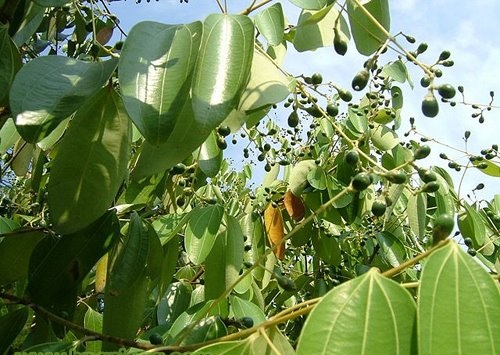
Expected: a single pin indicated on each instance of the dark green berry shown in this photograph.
(378, 208)
(361, 181)
(432, 186)
(422, 152)
(443, 226)
(351, 157)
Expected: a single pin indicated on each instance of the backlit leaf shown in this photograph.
(273, 222)
(271, 23)
(10, 62)
(201, 231)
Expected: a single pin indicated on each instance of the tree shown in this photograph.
(123, 225)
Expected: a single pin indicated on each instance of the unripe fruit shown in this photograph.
(345, 95)
(468, 242)
(361, 79)
(332, 109)
(444, 55)
(293, 119)
(427, 175)
(443, 226)
(155, 339)
(396, 177)
(446, 91)
(351, 157)
(178, 169)
(361, 181)
(247, 322)
(339, 43)
(432, 186)
(224, 131)
(430, 106)
(422, 152)
(286, 283)
(378, 208)
(316, 78)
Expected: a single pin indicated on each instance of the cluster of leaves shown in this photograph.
(127, 226)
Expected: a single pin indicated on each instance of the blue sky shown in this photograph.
(470, 30)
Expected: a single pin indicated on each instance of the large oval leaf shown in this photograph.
(155, 70)
(458, 305)
(367, 35)
(49, 89)
(271, 23)
(91, 161)
(367, 315)
(201, 231)
(223, 68)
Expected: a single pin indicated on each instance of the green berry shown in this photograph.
(427, 175)
(361, 79)
(446, 91)
(293, 119)
(430, 106)
(443, 226)
(345, 95)
(155, 339)
(224, 131)
(178, 169)
(332, 109)
(378, 208)
(396, 177)
(361, 181)
(422, 152)
(339, 43)
(468, 242)
(316, 78)
(351, 157)
(432, 186)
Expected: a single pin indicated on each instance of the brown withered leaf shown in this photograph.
(273, 222)
(294, 206)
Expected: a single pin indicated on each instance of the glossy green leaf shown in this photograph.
(384, 138)
(367, 36)
(369, 314)
(271, 23)
(48, 89)
(10, 62)
(201, 231)
(252, 228)
(310, 4)
(210, 156)
(471, 225)
(317, 178)
(208, 329)
(187, 135)
(458, 305)
(155, 71)
(11, 324)
(417, 214)
(57, 271)
(91, 161)
(222, 69)
(391, 248)
(242, 308)
(175, 301)
(223, 263)
(267, 85)
(491, 169)
(131, 261)
(15, 252)
(167, 226)
(93, 321)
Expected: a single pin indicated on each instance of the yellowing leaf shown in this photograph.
(273, 221)
(294, 206)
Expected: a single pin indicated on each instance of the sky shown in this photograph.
(469, 30)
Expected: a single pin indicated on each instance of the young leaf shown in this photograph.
(91, 161)
(458, 305)
(48, 89)
(155, 70)
(222, 69)
(368, 314)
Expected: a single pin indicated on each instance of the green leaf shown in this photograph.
(186, 136)
(491, 169)
(209, 328)
(222, 69)
(298, 176)
(91, 161)
(397, 97)
(201, 231)
(49, 89)
(131, 261)
(175, 301)
(15, 252)
(327, 248)
(458, 305)
(393, 251)
(252, 228)
(11, 324)
(10, 62)
(242, 308)
(417, 214)
(8, 135)
(51, 3)
(93, 321)
(384, 138)
(155, 70)
(396, 71)
(315, 29)
(210, 156)
(56, 272)
(30, 22)
(369, 314)
(223, 263)
(471, 225)
(317, 178)
(310, 4)
(271, 23)
(367, 36)
(267, 85)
